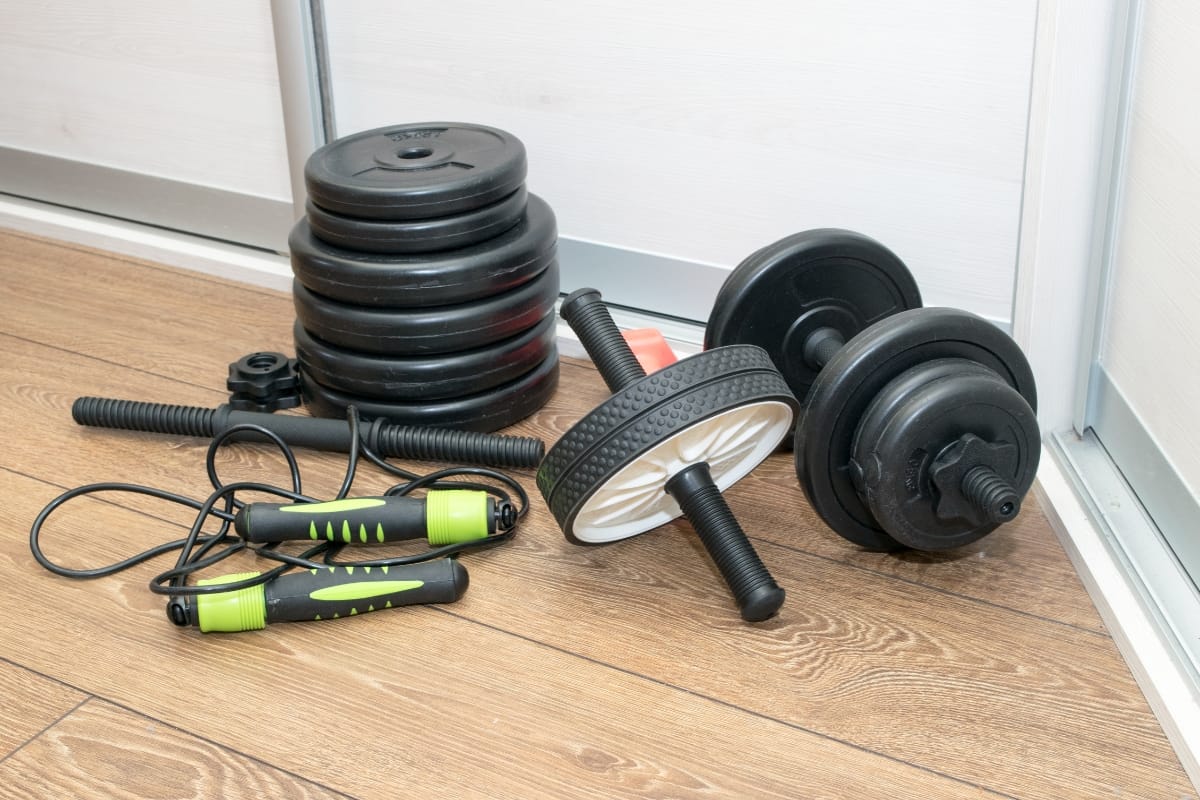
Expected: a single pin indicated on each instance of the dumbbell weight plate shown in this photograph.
(603, 480)
(425, 331)
(417, 235)
(856, 375)
(428, 377)
(430, 279)
(415, 171)
(914, 421)
(825, 278)
(485, 411)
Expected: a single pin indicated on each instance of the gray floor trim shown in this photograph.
(670, 286)
(176, 205)
(1149, 563)
(652, 284)
(1130, 574)
(1154, 480)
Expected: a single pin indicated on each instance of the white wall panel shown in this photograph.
(704, 130)
(182, 90)
(1151, 343)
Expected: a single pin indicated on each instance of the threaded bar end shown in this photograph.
(460, 447)
(134, 415)
(992, 496)
(592, 323)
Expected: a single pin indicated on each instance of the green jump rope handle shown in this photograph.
(443, 516)
(330, 593)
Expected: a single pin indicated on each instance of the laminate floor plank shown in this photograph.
(417, 697)
(164, 314)
(882, 649)
(132, 313)
(100, 750)
(30, 703)
(613, 671)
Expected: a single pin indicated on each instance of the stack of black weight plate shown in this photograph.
(426, 278)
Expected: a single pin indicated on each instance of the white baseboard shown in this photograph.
(1136, 625)
(256, 267)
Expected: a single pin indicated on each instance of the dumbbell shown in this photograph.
(918, 426)
(668, 444)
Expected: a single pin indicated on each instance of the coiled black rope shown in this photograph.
(198, 550)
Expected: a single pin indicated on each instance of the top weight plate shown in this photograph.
(825, 278)
(415, 171)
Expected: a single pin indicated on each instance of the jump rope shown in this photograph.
(453, 515)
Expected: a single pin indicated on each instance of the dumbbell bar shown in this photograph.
(382, 437)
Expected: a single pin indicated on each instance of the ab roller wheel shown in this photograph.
(918, 426)
(666, 445)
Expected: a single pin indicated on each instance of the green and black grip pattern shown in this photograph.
(444, 516)
(330, 593)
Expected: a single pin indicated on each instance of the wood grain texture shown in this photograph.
(100, 750)
(418, 699)
(610, 671)
(30, 703)
(155, 338)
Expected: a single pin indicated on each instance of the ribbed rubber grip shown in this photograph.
(459, 447)
(592, 323)
(757, 594)
(395, 441)
(134, 415)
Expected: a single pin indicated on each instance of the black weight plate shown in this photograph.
(825, 278)
(415, 171)
(486, 411)
(417, 235)
(852, 379)
(435, 377)
(908, 425)
(423, 331)
(645, 417)
(430, 279)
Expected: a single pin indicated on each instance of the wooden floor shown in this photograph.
(602, 672)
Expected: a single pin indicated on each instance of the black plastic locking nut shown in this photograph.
(263, 382)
